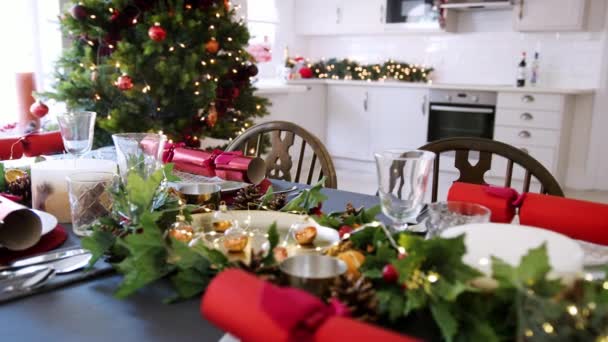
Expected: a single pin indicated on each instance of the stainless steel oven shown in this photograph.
(456, 113)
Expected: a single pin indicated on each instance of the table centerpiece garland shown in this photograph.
(427, 289)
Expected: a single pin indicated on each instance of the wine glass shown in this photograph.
(77, 131)
(138, 152)
(402, 182)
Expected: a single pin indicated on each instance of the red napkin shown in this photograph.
(36, 144)
(500, 201)
(581, 220)
(48, 242)
(233, 301)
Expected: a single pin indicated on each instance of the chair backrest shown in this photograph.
(475, 173)
(279, 161)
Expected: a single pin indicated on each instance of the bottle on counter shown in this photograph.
(521, 71)
(534, 69)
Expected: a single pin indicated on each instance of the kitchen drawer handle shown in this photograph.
(423, 108)
(526, 116)
(338, 15)
(524, 134)
(365, 101)
(382, 14)
(527, 98)
(525, 150)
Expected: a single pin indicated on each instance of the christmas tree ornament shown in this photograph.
(227, 5)
(359, 296)
(79, 12)
(306, 72)
(222, 220)
(252, 70)
(389, 273)
(181, 230)
(39, 109)
(235, 92)
(353, 259)
(306, 235)
(235, 240)
(94, 75)
(212, 116)
(124, 82)
(280, 254)
(115, 16)
(157, 33)
(212, 46)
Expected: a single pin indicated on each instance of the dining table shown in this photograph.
(86, 309)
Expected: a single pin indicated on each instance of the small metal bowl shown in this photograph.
(312, 273)
(201, 194)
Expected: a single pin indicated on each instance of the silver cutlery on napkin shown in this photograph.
(60, 266)
(35, 279)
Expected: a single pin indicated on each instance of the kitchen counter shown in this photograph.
(274, 86)
(477, 87)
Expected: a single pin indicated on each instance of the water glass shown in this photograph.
(443, 215)
(402, 183)
(77, 131)
(138, 152)
(89, 198)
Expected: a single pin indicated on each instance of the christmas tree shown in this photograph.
(176, 66)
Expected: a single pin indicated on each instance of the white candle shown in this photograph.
(49, 184)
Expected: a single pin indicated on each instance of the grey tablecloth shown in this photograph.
(87, 311)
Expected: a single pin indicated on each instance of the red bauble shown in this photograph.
(157, 33)
(345, 229)
(389, 273)
(306, 72)
(212, 116)
(79, 12)
(124, 82)
(39, 109)
(115, 16)
(252, 70)
(227, 5)
(212, 46)
(235, 93)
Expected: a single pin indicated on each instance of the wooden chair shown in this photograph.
(475, 173)
(279, 162)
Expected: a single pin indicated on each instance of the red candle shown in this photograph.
(25, 85)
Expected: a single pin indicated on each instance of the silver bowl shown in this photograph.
(312, 273)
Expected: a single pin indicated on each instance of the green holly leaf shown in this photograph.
(445, 320)
(267, 198)
(391, 302)
(2, 180)
(415, 299)
(168, 173)
(273, 241)
(99, 243)
(190, 282)
(307, 199)
(141, 269)
(215, 257)
(328, 221)
(369, 215)
(532, 269)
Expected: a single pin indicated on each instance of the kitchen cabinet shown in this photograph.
(362, 17)
(348, 122)
(550, 15)
(318, 17)
(400, 117)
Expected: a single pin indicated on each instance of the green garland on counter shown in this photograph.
(345, 69)
(427, 290)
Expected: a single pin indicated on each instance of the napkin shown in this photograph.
(233, 300)
(500, 201)
(581, 220)
(20, 227)
(48, 242)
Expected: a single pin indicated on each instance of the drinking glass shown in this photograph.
(89, 198)
(402, 182)
(443, 215)
(77, 131)
(138, 152)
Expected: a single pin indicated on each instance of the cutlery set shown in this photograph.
(26, 274)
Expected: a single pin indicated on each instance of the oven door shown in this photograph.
(449, 121)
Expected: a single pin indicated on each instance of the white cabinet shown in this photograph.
(362, 17)
(550, 15)
(348, 122)
(318, 17)
(400, 118)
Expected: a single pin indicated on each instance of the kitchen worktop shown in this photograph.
(478, 87)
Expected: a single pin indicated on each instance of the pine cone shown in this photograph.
(358, 295)
(256, 266)
(247, 198)
(21, 187)
(277, 202)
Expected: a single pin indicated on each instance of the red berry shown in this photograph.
(39, 109)
(345, 229)
(401, 256)
(389, 273)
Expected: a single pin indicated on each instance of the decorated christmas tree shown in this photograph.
(176, 66)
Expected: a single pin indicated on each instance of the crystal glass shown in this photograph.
(138, 152)
(402, 182)
(77, 131)
(443, 215)
(89, 198)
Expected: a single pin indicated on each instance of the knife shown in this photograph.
(44, 258)
(60, 266)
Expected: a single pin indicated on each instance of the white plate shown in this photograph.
(511, 242)
(49, 222)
